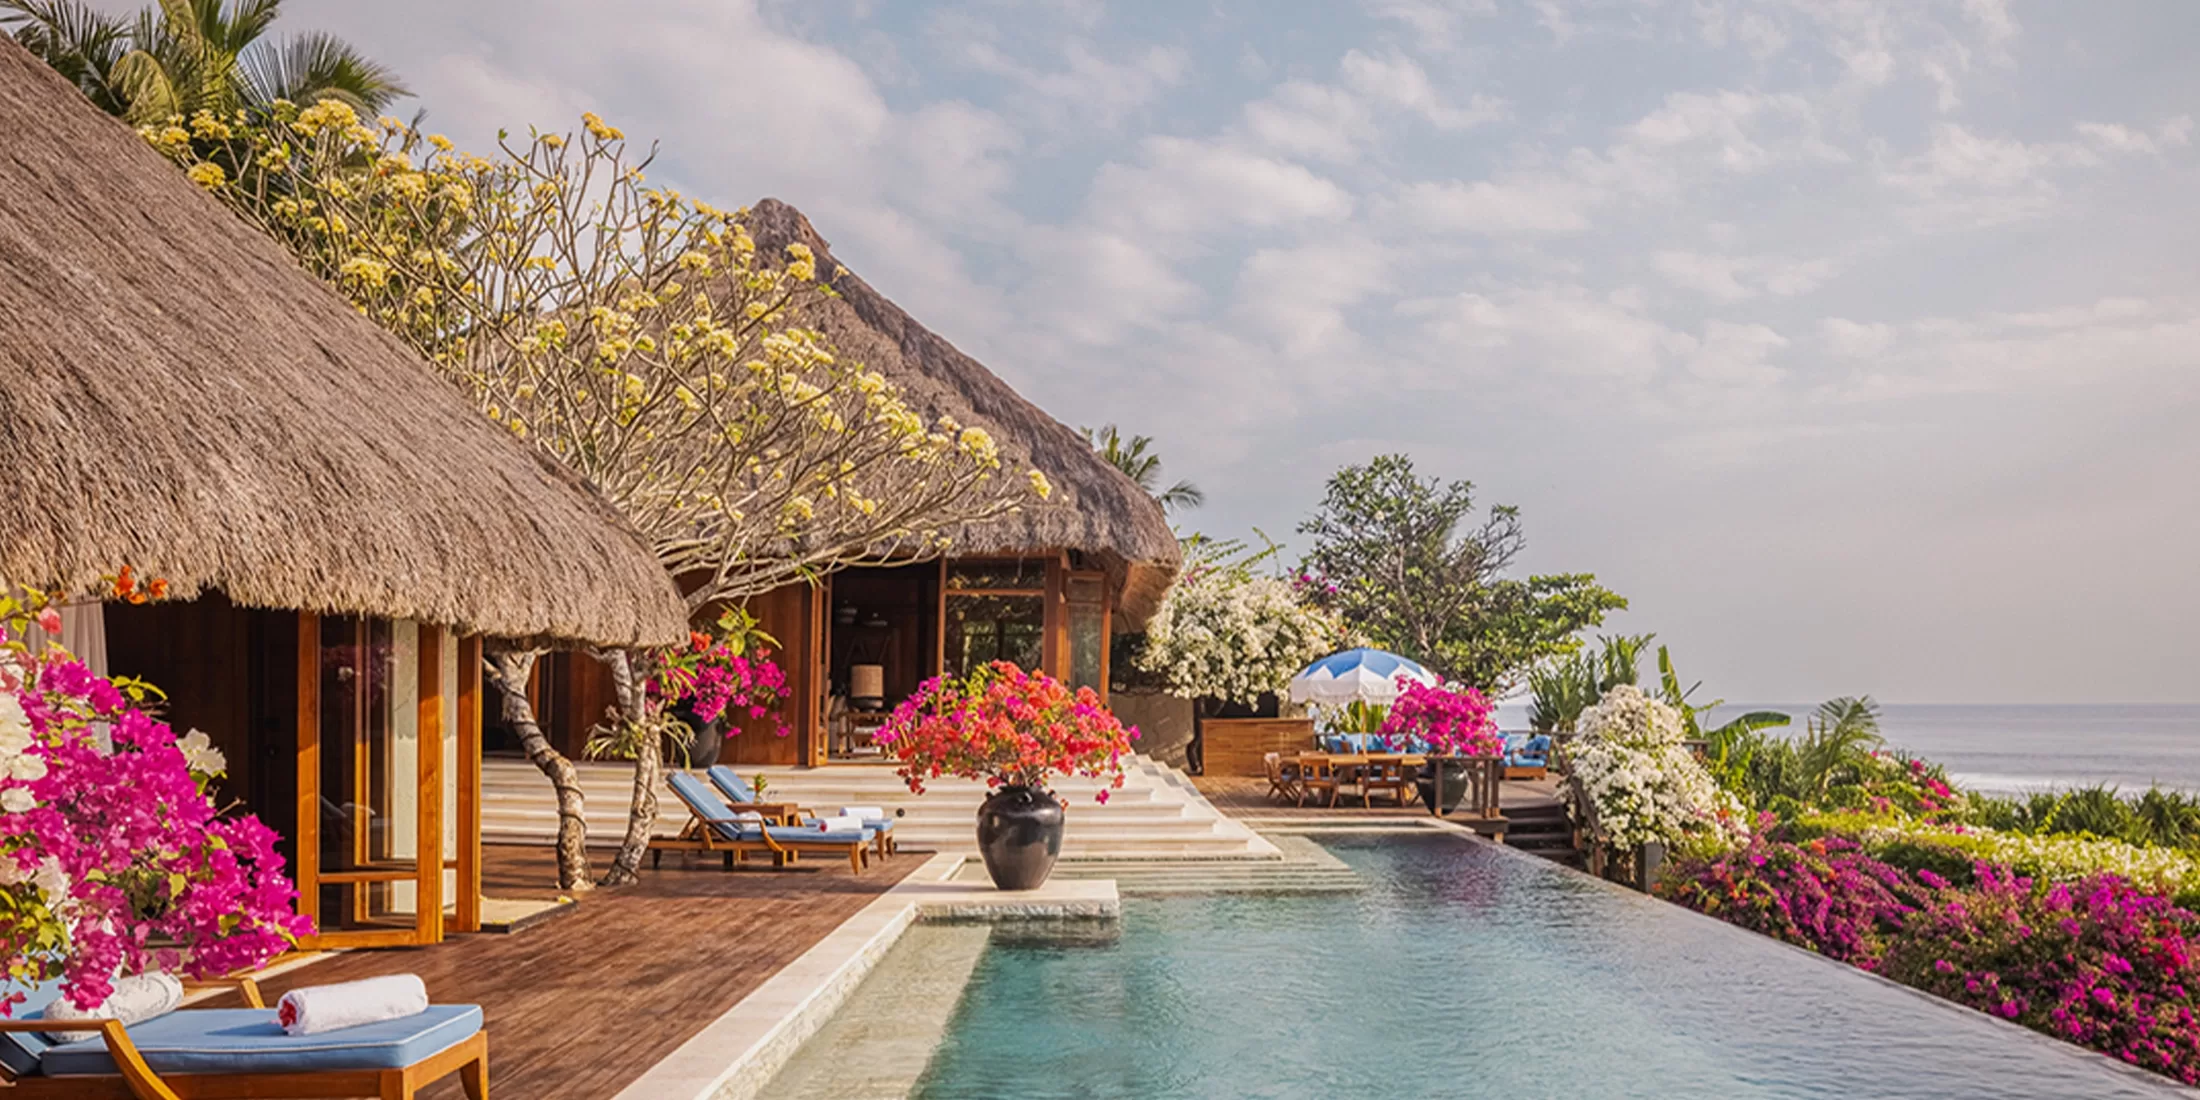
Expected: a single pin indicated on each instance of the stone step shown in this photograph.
(1156, 814)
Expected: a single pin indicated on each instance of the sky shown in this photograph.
(1855, 342)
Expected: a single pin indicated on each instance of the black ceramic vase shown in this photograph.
(1454, 785)
(702, 751)
(1019, 834)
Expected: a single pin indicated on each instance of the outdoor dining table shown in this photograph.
(1351, 763)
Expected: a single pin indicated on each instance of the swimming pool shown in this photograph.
(1468, 971)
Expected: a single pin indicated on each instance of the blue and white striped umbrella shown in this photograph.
(1357, 675)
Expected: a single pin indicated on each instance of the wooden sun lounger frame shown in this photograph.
(698, 836)
(137, 1081)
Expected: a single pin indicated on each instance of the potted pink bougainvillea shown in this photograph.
(1015, 730)
(114, 859)
(1452, 727)
(718, 680)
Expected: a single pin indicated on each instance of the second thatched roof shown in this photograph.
(178, 396)
(1095, 509)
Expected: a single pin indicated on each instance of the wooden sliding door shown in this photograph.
(384, 768)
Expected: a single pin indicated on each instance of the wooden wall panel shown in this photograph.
(1235, 746)
(789, 614)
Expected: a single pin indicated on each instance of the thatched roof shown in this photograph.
(1094, 509)
(178, 396)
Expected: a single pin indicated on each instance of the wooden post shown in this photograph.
(428, 735)
(468, 916)
(308, 838)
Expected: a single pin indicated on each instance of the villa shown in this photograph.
(1047, 587)
(338, 531)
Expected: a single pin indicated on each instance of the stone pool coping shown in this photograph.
(737, 1054)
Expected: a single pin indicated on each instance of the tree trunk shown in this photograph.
(641, 816)
(510, 671)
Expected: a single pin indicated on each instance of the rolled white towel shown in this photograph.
(313, 1009)
(868, 813)
(840, 824)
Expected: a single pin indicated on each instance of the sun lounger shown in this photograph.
(1528, 758)
(743, 797)
(713, 826)
(239, 1053)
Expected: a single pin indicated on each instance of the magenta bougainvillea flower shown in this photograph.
(113, 856)
(1007, 727)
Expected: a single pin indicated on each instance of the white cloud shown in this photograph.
(1400, 82)
(1744, 131)
(1546, 205)
(1736, 354)
(2115, 137)
(1296, 298)
(1728, 278)
(1072, 80)
(1180, 186)
(1855, 339)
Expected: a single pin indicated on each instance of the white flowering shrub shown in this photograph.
(1643, 782)
(1227, 634)
(2056, 858)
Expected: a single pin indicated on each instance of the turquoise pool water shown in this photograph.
(1465, 971)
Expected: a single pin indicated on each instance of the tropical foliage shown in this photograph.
(181, 57)
(1401, 560)
(114, 858)
(1008, 727)
(1563, 687)
(1229, 632)
(1135, 457)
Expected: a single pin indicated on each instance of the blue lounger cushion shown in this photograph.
(788, 834)
(248, 1040)
(21, 1050)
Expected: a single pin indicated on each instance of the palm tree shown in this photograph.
(1138, 464)
(1836, 740)
(184, 56)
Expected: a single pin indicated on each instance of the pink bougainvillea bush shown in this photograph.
(713, 678)
(2098, 961)
(113, 857)
(1449, 722)
(1823, 894)
(1008, 727)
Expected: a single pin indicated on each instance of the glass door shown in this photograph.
(373, 770)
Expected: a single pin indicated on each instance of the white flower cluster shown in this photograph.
(2057, 858)
(17, 762)
(1645, 784)
(1227, 635)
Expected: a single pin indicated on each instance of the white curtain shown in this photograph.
(83, 634)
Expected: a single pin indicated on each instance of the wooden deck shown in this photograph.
(580, 1005)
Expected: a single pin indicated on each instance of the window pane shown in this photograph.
(983, 629)
(997, 574)
(1088, 640)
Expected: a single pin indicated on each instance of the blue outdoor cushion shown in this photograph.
(788, 834)
(1333, 743)
(20, 1050)
(733, 786)
(248, 1040)
(691, 790)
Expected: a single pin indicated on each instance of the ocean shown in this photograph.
(2018, 749)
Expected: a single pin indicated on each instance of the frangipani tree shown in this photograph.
(636, 336)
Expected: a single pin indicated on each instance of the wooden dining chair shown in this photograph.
(1383, 775)
(1281, 777)
(1318, 776)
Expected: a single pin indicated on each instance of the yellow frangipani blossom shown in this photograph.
(208, 175)
(393, 162)
(205, 125)
(328, 114)
(552, 141)
(800, 509)
(372, 272)
(1040, 485)
(441, 143)
(691, 260)
(411, 187)
(602, 130)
